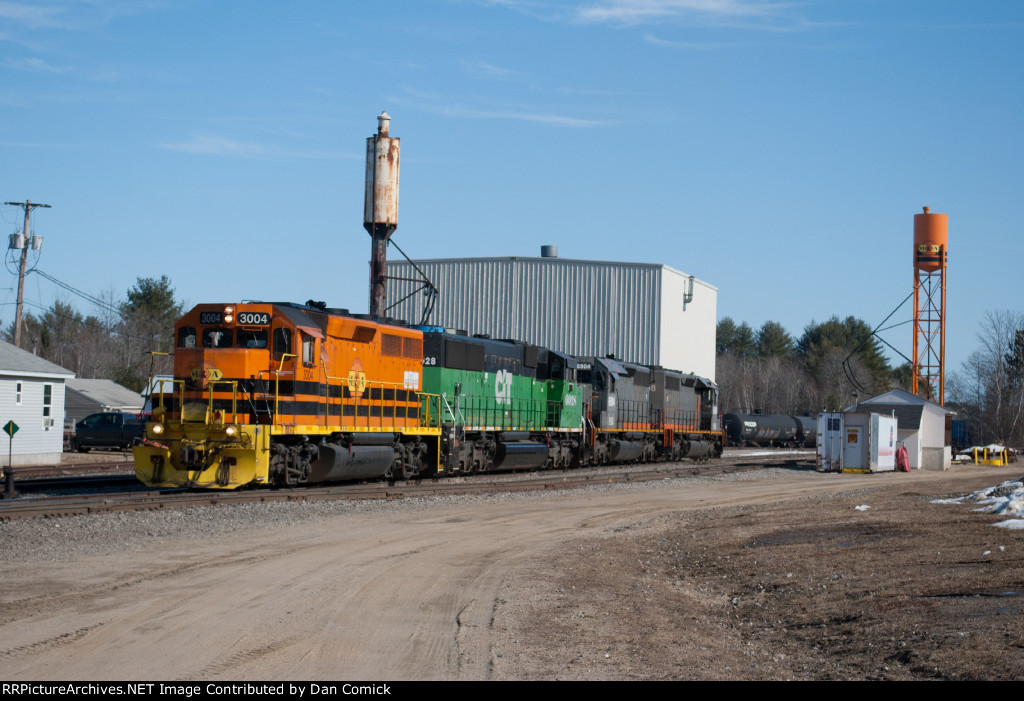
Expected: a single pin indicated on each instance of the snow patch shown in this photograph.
(1006, 499)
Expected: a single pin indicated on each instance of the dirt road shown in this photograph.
(685, 579)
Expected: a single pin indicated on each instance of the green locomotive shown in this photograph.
(504, 404)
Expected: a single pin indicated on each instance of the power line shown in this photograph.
(84, 295)
(88, 321)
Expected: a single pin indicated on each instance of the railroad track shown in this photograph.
(32, 506)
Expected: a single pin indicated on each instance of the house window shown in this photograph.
(47, 405)
(17, 395)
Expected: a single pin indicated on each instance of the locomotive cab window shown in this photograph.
(282, 341)
(308, 350)
(252, 338)
(186, 337)
(216, 338)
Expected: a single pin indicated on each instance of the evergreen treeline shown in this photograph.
(113, 344)
(767, 371)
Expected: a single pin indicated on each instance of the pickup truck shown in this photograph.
(112, 429)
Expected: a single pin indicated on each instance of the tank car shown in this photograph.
(764, 430)
(288, 394)
(807, 434)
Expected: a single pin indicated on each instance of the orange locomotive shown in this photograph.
(254, 400)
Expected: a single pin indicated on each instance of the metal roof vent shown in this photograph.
(549, 251)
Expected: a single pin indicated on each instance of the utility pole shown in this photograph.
(25, 233)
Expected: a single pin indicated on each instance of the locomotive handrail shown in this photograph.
(161, 382)
(681, 418)
(633, 414)
(518, 413)
(449, 408)
(427, 401)
(588, 423)
(181, 394)
(234, 397)
(284, 356)
(277, 384)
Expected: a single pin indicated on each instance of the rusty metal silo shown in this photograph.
(380, 205)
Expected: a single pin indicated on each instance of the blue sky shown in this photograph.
(777, 150)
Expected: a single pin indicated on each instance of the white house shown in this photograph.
(32, 396)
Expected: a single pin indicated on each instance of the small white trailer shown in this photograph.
(856, 442)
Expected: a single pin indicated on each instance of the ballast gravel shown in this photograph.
(67, 538)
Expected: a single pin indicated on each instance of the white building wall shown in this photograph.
(688, 333)
(933, 427)
(36, 442)
(911, 440)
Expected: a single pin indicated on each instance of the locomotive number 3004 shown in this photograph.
(254, 319)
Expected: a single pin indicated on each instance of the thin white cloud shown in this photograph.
(650, 38)
(214, 145)
(35, 65)
(75, 16)
(495, 70)
(645, 11)
(556, 119)
(752, 13)
(452, 108)
(37, 145)
(31, 15)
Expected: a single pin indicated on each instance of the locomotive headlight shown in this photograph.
(229, 314)
(228, 318)
(156, 429)
(231, 431)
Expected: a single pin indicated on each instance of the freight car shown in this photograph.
(289, 394)
(763, 430)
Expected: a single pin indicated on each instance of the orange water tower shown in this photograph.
(928, 378)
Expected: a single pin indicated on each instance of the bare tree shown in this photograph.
(987, 390)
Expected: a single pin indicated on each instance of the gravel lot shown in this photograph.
(769, 574)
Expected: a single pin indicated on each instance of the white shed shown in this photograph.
(923, 426)
(32, 396)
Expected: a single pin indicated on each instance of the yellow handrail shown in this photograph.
(234, 396)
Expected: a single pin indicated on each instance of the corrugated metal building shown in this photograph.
(640, 312)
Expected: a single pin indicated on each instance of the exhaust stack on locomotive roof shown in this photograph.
(380, 205)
